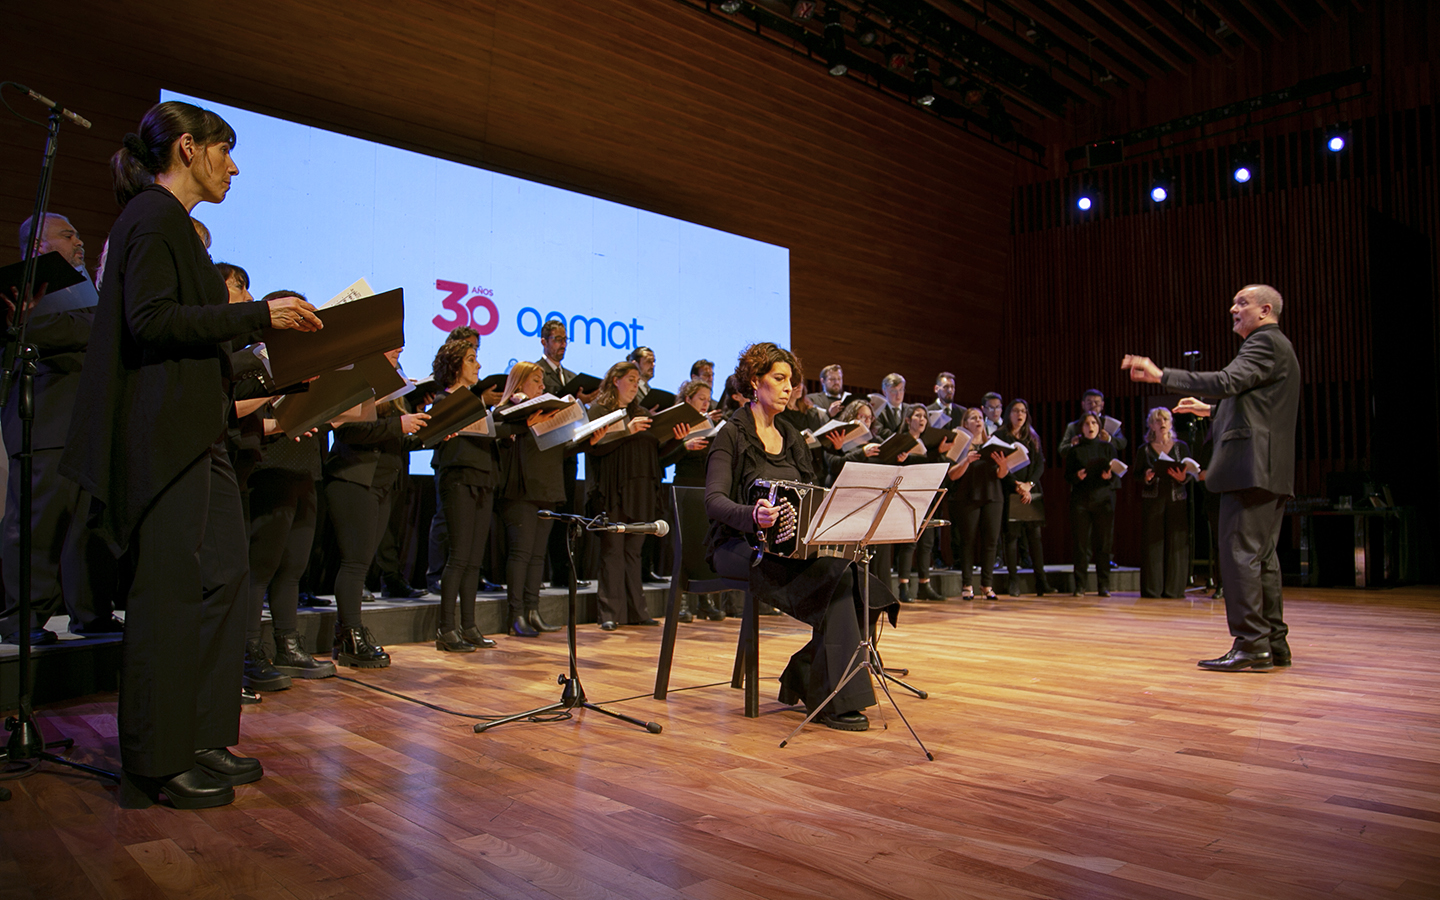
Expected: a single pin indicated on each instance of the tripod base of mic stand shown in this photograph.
(571, 697)
(27, 743)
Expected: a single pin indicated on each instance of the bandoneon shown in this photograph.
(798, 504)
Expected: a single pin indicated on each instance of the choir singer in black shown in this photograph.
(147, 443)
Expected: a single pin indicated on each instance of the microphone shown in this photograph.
(659, 529)
(41, 98)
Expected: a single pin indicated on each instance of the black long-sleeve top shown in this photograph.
(737, 458)
(625, 475)
(155, 390)
(369, 453)
(1089, 454)
(528, 472)
(1031, 473)
(1145, 458)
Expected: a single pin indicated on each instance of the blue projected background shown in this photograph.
(313, 211)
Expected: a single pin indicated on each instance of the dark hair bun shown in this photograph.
(137, 149)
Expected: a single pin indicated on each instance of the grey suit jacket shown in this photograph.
(1254, 423)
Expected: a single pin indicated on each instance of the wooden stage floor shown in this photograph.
(1078, 754)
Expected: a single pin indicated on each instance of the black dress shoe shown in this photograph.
(434, 586)
(1280, 654)
(228, 767)
(314, 600)
(1239, 660)
(522, 628)
(367, 597)
(646, 622)
(451, 642)
(38, 637)
(477, 637)
(111, 625)
(608, 625)
(195, 789)
(850, 721)
(539, 624)
(404, 592)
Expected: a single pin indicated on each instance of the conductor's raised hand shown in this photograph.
(1192, 406)
(766, 513)
(1141, 368)
(413, 422)
(293, 313)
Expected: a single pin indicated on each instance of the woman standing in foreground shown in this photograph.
(147, 442)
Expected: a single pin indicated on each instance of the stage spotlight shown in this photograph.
(731, 6)
(1245, 161)
(1161, 187)
(1084, 203)
(1159, 193)
(835, 55)
(1335, 142)
(923, 92)
(895, 56)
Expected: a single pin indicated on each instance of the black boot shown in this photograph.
(260, 673)
(356, 647)
(538, 623)
(291, 658)
(451, 642)
(905, 592)
(474, 635)
(521, 628)
(926, 592)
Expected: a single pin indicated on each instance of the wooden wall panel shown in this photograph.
(897, 227)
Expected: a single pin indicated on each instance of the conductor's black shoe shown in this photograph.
(1280, 655)
(647, 622)
(608, 625)
(109, 625)
(850, 721)
(38, 637)
(474, 635)
(195, 789)
(228, 767)
(1239, 660)
(522, 628)
(538, 623)
(451, 642)
(248, 697)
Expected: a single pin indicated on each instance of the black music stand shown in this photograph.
(860, 510)
(572, 694)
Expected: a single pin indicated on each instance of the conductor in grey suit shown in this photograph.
(1253, 470)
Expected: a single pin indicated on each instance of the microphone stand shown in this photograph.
(26, 741)
(1194, 505)
(572, 695)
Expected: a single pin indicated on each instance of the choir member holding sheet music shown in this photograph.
(860, 412)
(917, 555)
(146, 442)
(1164, 510)
(361, 474)
(976, 479)
(1024, 505)
(1090, 468)
(624, 484)
(534, 480)
(888, 416)
(946, 413)
(466, 474)
(690, 472)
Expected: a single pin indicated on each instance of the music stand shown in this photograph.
(861, 509)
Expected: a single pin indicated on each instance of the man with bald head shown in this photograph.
(61, 555)
(1253, 469)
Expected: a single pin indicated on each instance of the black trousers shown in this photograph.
(917, 556)
(816, 668)
(1164, 546)
(979, 536)
(468, 511)
(358, 514)
(1249, 530)
(620, 594)
(63, 552)
(1092, 529)
(184, 626)
(1014, 531)
(526, 534)
(439, 543)
(282, 527)
(555, 542)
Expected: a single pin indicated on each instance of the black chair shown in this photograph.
(693, 575)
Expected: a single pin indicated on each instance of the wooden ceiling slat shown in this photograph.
(1141, 36)
(1110, 62)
